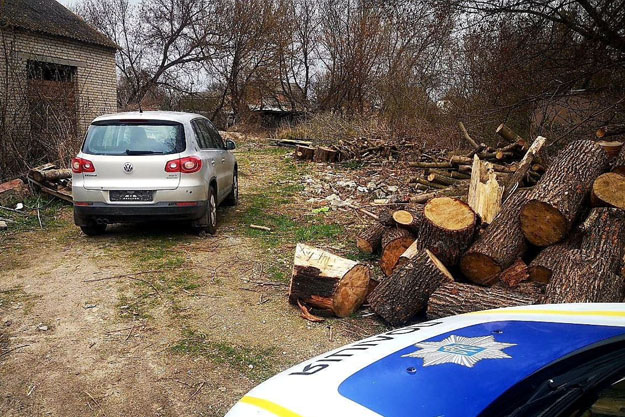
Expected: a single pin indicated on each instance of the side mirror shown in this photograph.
(230, 145)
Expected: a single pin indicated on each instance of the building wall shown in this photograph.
(96, 73)
(96, 87)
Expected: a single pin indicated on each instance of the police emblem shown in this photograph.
(465, 351)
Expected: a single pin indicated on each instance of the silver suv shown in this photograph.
(143, 166)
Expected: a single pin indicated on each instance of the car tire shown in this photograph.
(233, 197)
(209, 221)
(93, 229)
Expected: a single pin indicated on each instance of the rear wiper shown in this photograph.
(130, 152)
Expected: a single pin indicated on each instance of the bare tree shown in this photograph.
(159, 40)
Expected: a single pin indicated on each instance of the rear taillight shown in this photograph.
(185, 165)
(80, 165)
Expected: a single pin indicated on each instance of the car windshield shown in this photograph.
(134, 138)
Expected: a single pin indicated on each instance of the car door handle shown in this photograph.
(213, 161)
(223, 160)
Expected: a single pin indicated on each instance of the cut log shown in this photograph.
(410, 219)
(395, 241)
(328, 282)
(604, 237)
(618, 164)
(369, 240)
(558, 197)
(514, 274)
(499, 246)
(452, 174)
(463, 160)
(484, 198)
(453, 298)
(541, 268)
(533, 289)
(447, 228)
(430, 164)
(524, 166)
(408, 254)
(323, 154)
(442, 179)
(608, 190)
(423, 181)
(582, 279)
(510, 135)
(50, 174)
(304, 153)
(386, 218)
(405, 293)
(611, 148)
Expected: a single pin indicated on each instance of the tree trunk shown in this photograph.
(618, 164)
(543, 265)
(386, 218)
(609, 190)
(305, 153)
(410, 219)
(325, 155)
(328, 282)
(369, 240)
(454, 298)
(558, 197)
(499, 246)
(581, 279)
(405, 293)
(395, 241)
(447, 229)
(604, 237)
(524, 166)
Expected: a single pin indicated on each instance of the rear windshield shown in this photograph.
(134, 138)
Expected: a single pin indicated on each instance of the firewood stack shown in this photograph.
(555, 236)
(559, 241)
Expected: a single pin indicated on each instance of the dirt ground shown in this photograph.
(151, 320)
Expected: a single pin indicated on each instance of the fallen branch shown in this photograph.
(11, 350)
(263, 228)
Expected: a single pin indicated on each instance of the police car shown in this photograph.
(551, 360)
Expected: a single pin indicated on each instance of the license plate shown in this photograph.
(142, 195)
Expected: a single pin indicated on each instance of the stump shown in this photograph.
(405, 293)
(608, 190)
(618, 164)
(604, 237)
(304, 153)
(499, 246)
(395, 241)
(410, 219)
(453, 298)
(581, 279)
(370, 239)
(323, 154)
(557, 198)
(328, 282)
(447, 228)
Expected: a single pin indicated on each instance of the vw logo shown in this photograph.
(128, 167)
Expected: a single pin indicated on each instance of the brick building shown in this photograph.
(56, 74)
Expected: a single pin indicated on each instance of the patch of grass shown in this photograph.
(51, 213)
(16, 296)
(353, 164)
(318, 232)
(256, 363)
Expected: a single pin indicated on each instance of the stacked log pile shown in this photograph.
(557, 237)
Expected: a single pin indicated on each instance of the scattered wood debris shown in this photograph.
(52, 180)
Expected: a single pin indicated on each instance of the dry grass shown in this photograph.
(328, 128)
